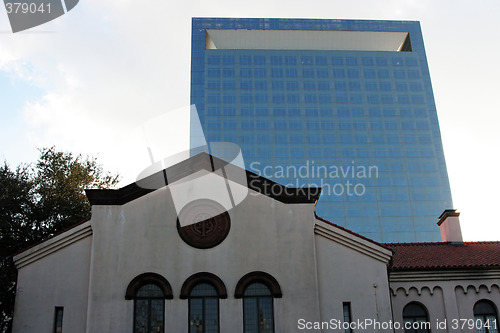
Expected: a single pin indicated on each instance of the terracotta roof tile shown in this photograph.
(426, 256)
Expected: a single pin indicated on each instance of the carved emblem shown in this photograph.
(210, 224)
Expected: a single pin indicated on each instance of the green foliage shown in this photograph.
(37, 201)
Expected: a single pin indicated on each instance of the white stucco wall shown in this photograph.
(347, 275)
(468, 295)
(317, 267)
(448, 296)
(141, 236)
(59, 278)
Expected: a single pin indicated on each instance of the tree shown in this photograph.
(15, 209)
(37, 201)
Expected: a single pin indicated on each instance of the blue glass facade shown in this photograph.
(362, 124)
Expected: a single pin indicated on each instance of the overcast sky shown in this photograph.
(88, 81)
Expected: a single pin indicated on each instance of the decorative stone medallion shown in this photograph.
(206, 224)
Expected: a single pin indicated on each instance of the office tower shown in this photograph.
(343, 104)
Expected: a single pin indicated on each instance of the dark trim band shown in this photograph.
(202, 161)
(261, 277)
(146, 278)
(206, 277)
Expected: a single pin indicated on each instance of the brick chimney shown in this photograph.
(449, 223)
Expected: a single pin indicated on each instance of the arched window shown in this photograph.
(258, 309)
(415, 318)
(485, 317)
(258, 290)
(149, 291)
(149, 308)
(203, 291)
(203, 309)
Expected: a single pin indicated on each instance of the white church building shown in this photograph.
(267, 263)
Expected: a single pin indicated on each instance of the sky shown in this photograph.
(100, 78)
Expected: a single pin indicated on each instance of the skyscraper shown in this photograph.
(342, 104)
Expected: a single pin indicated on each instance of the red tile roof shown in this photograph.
(427, 256)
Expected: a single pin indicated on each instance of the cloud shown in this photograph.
(107, 67)
(101, 80)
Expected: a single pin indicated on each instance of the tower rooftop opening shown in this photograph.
(328, 40)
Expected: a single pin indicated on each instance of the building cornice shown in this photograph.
(466, 280)
(200, 162)
(447, 275)
(53, 244)
(352, 241)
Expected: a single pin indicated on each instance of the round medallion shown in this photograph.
(203, 224)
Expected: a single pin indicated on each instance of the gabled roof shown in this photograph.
(352, 232)
(52, 244)
(50, 237)
(199, 162)
(352, 240)
(432, 256)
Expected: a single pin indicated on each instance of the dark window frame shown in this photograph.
(347, 305)
(58, 310)
(480, 314)
(258, 300)
(258, 277)
(412, 316)
(149, 305)
(196, 279)
(146, 279)
(204, 307)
